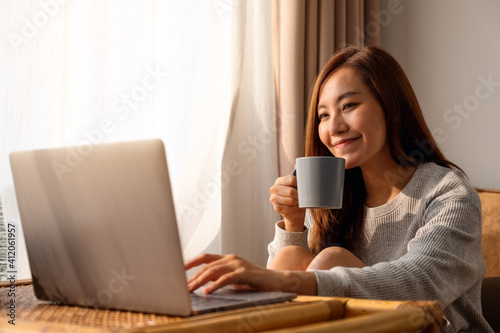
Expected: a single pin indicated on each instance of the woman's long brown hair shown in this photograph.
(409, 138)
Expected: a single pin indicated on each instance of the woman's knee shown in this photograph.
(335, 256)
(291, 258)
(334, 251)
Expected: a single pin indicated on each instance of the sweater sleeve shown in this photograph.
(284, 238)
(443, 260)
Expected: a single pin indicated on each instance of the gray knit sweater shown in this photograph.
(425, 244)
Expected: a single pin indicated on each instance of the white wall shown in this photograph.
(449, 49)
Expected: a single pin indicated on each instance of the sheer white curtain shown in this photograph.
(197, 74)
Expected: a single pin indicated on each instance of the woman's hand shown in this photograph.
(285, 200)
(231, 270)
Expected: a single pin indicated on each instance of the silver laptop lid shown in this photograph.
(100, 226)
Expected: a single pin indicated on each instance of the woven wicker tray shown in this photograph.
(307, 314)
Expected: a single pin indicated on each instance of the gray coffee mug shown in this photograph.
(320, 181)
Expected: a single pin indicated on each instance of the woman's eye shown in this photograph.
(322, 116)
(348, 106)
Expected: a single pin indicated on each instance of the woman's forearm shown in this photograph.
(300, 282)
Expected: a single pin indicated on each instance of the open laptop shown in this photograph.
(101, 230)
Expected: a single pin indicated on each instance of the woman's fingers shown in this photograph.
(215, 266)
(202, 259)
(232, 270)
(243, 275)
(231, 277)
(209, 273)
(285, 201)
(226, 270)
(284, 193)
(286, 181)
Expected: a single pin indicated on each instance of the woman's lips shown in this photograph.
(344, 142)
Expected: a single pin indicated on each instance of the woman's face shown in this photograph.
(351, 121)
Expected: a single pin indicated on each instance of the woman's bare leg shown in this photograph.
(334, 256)
(293, 258)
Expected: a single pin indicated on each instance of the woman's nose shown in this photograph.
(337, 125)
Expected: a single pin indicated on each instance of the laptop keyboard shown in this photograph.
(198, 300)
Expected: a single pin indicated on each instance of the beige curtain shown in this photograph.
(305, 35)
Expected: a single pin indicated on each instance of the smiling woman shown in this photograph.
(408, 226)
(351, 121)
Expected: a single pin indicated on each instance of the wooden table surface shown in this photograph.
(304, 314)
